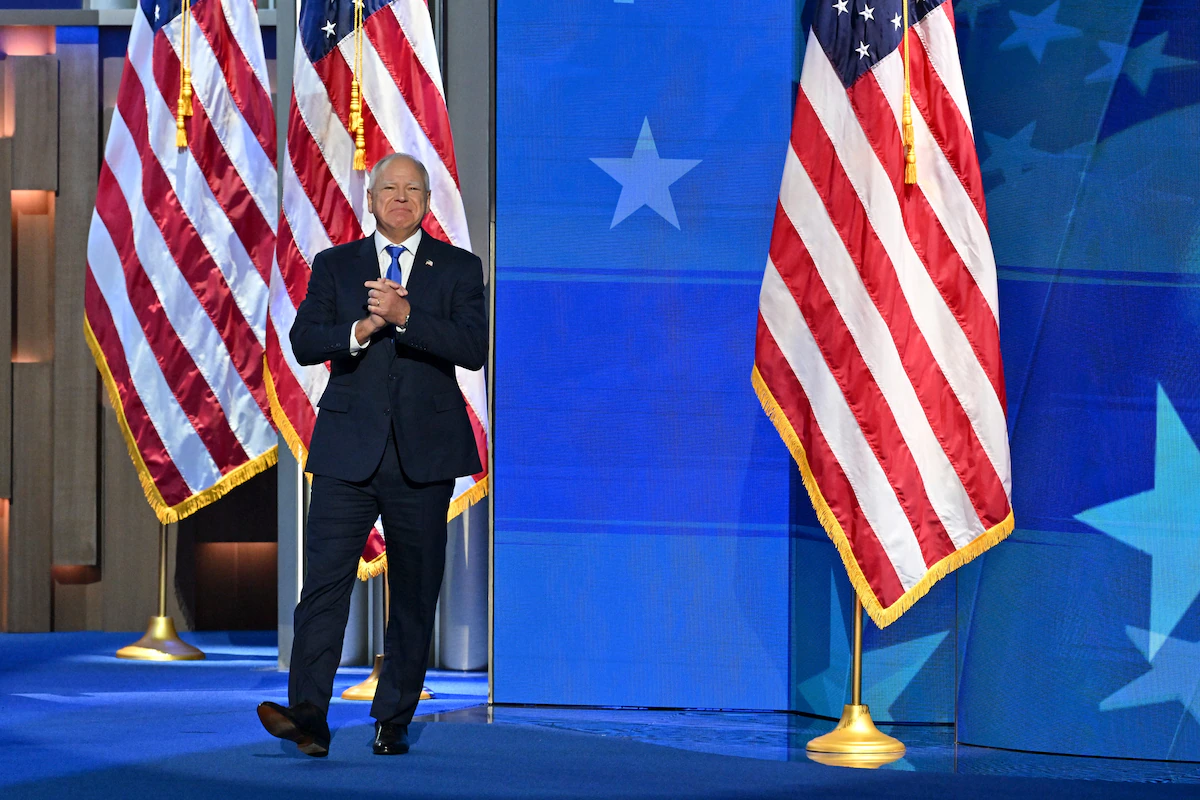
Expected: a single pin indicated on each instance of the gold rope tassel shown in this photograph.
(180, 131)
(187, 91)
(910, 149)
(183, 108)
(357, 126)
(185, 85)
(355, 107)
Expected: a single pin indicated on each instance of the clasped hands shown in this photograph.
(387, 304)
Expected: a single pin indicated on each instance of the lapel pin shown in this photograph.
(428, 263)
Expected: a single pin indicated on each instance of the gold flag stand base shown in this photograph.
(856, 742)
(161, 643)
(366, 689)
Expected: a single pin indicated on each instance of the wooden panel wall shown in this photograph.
(33, 307)
(75, 377)
(35, 122)
(78, 541)
(29, 521)
(6, 282)
(29, 555)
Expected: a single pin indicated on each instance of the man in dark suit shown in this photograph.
(393, 314)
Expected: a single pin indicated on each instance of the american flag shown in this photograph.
(324, 197)
(878, 350)
(179, 253)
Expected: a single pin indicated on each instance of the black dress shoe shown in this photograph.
(303, 724)
(390, 739)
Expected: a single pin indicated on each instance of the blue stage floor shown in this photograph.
(77, 722)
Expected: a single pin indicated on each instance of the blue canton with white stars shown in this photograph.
(856, 34)
(324, 23)
(160, 12)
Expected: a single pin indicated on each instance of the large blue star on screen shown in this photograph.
(1016, 155)
(1173, 676)
(887, 671)
(1163, 522)
(1038, 31)
(1138, 63)
(645, 178)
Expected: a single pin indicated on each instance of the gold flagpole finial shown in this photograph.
(910, 149)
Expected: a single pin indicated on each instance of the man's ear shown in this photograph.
(370, 204)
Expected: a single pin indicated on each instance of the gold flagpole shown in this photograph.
(366, 689)
(906, 123)
(161, 642)
(856, 742)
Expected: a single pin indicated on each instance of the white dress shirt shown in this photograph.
(385, 260)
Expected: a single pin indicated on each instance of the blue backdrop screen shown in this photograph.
(653, 544)
(641, 496)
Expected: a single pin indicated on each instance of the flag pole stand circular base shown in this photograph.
(161, 643)
(855, 742)
(366, 689)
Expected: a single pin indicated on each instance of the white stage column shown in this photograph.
(466, 35)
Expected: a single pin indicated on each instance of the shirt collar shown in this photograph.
(410, 244)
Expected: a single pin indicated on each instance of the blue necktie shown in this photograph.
(393, 270)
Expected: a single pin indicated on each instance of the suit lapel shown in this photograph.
(422, 267)
(366, 262)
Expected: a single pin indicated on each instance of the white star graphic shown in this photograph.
(1162, 523)
(896, 21)
(156, 13)
(867, 13)
(329, 28)
(645, 178)
(840, 5)
(862, 49)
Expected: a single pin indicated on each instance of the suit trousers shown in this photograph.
(340, 516)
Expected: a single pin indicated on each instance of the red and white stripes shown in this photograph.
(178, 258)
(324, 199)
(878, 353)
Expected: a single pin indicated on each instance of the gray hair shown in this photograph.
(389, 158)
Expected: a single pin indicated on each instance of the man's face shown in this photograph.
(399, 200)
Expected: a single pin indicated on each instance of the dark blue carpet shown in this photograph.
(77, 723)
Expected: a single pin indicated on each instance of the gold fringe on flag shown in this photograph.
(882, 615)
(378, 564)
(168, 514)
(910, 148)
(356, 98)
(184, 107)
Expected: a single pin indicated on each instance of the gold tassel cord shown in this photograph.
(184, 106)
(910, 150)
(357, 126)
(185, 86)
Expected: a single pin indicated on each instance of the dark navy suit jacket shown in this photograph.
(407, 383)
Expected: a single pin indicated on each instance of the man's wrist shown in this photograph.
(364, 329)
